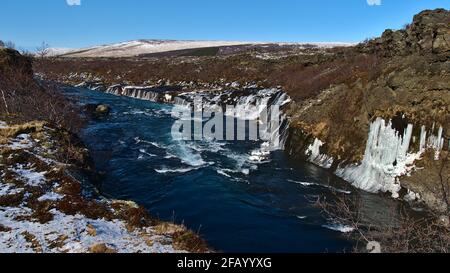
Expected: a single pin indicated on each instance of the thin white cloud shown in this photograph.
(374, 2)
(73, 2)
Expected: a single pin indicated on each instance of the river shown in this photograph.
(212, 187)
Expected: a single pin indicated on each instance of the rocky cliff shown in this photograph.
(411, 91)
(428, 33)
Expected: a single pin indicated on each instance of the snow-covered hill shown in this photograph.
(57, 51)
(140, 47)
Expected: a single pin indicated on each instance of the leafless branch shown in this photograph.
(43, 50)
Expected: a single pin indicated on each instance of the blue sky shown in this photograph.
(28, 23)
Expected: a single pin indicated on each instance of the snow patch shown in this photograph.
(30, 176)
(22, 141)
(50, 196)
(8, 189)
(76, 238)
(3, 125)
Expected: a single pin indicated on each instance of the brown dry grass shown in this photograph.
(302, 76)
(15, 130)
(189, 241)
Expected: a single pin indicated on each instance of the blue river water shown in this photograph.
(212, 187)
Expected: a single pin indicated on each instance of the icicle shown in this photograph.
(314, 155)
(386, 158)
(423, 140)
(435, 142)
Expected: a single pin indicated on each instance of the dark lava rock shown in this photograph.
(428, 33)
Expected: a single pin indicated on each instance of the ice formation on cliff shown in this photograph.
(387, 157)
(436, 142)
(314, 155)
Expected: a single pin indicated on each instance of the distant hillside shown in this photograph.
(150, 47)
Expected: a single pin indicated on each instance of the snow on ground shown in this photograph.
(50, 196)
(22, 141)
(73, 234)
(56, 51)
(8, 189)
(43, 209)
(30, 176)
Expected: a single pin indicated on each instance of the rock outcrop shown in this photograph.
(412, 91)
(428, 33)
(12, 60)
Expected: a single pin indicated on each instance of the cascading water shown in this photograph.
(251, 105)
(139, 92)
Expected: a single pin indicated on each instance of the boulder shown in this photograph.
(97, 110)
(102, 109)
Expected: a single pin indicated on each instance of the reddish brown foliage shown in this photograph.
(22, 98)
(302, 76)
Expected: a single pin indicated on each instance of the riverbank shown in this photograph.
(43, 208)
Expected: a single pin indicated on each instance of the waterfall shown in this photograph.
(96, 86)
(247, 104)
(115, 90)
(139, 92)
(251, 107)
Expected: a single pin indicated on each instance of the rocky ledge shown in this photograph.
(43, 208)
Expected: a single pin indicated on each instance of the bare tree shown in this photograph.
(2, 44)
(26, 52)
(444, 180)
(10, 44)
(43, 50)
(4, 100)
(405, 233)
